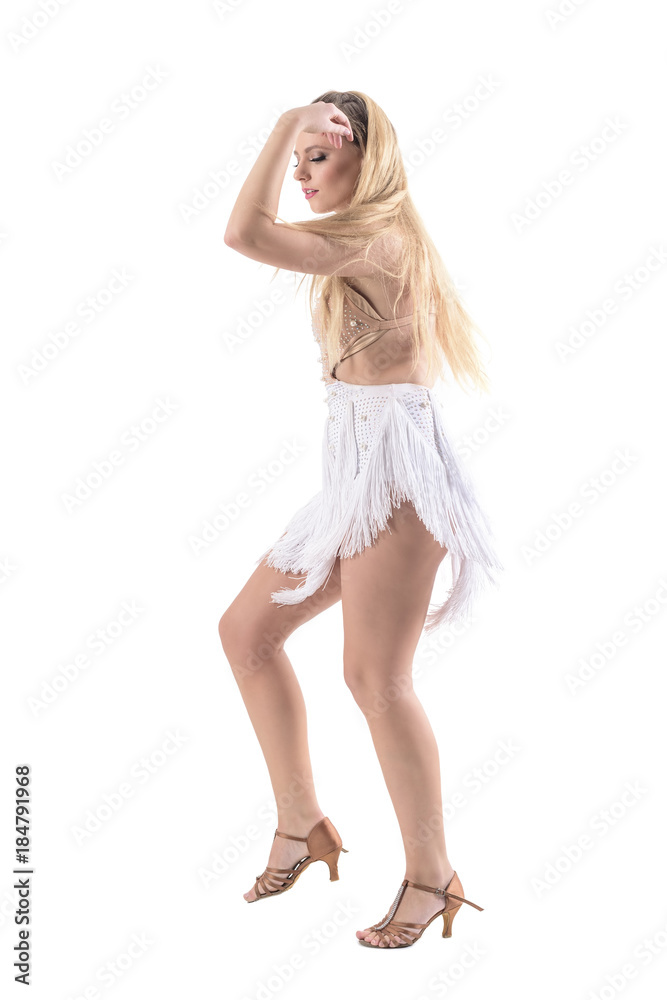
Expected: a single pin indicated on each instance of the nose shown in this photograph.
(300, 173)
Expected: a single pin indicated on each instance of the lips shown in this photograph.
(309, 192)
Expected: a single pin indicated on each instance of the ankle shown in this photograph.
(299, 821)
(435, 877)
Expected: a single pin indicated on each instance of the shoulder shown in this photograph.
(383, 253)
(371, 257)
(388, 247)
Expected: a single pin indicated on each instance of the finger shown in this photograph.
(344, 132)
(340, 118)
(346, 128)
(343, 127)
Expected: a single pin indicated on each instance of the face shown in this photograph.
(331, 172)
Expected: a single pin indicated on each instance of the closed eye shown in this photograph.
(315, 159)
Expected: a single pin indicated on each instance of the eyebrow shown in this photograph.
(308, 149)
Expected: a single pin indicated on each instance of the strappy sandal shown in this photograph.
(407, 932)
(323, 843)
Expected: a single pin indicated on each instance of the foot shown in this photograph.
(415, 907)
(285, 853)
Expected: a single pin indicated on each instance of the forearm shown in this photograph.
(265, 180)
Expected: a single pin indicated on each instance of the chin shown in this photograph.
(325, 208)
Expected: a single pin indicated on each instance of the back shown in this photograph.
(376, 351)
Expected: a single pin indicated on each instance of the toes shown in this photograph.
(379, 939)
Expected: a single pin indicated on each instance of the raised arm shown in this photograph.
(261, 238)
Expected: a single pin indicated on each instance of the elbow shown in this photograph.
(236, 240)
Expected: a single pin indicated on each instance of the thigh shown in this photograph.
(253, 618)
(385, 593)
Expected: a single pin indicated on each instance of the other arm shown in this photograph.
(255, 235)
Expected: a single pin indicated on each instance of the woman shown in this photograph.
(394, 502)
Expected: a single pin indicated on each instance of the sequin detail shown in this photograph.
(359, 320)
(368, 410)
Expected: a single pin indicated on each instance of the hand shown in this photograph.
(325, 119)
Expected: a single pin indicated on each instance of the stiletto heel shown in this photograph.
(332, 861)
(408, 933)
(323, 843)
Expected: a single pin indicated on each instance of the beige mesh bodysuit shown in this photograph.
(362, 327)
(383, 445)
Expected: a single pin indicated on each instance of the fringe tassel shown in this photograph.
(348, 513)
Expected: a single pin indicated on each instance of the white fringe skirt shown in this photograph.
(382, 445)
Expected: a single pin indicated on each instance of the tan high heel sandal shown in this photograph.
(406, 931)
(323, 843)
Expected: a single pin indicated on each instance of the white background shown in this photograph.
(555, 922)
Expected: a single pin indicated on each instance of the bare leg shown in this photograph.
(253, 630)
(385, 596)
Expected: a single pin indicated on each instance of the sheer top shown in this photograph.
(362, 327)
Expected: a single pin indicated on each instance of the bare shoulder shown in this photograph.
(381, 253)
(378, 288)
(387, 250)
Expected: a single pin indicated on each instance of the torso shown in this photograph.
(389, 358)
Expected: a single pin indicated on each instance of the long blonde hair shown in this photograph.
(381, 208)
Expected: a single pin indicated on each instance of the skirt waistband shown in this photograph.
(388, 389)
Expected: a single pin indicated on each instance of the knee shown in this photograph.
(248, 643)
(376, 687)
(229, 627)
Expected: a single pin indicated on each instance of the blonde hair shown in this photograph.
(381, 209)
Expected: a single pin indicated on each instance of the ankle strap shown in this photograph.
(441, 892)
(289, 836)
